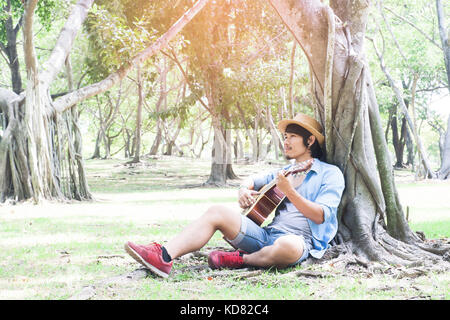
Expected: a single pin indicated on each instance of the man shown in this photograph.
(304, 223)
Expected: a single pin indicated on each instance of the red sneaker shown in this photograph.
(225, 259)
(150, 256)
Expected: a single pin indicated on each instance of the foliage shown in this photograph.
(247, 49)
(46, 10)
(114, 40)
(407, 52)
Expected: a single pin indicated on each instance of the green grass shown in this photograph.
(433, 229)
(426, 205)
(53, 250)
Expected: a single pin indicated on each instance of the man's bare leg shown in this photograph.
(198, 233)
(284, 251)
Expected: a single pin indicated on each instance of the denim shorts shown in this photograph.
(252, 238)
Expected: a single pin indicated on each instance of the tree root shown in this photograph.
(386, 256)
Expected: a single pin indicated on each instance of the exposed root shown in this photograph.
(439, 247)
(392, 257)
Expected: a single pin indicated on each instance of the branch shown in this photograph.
(401, 101)
(77, 96)
(174, 59)
(444, 39)
(28, 44)
(18, 25)
(65, 41)
(248, 61)
(309, 29)
(388, 25)
(3, 50)
(328, 85)
(414, 26)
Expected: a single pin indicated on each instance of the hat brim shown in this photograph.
(284, 123)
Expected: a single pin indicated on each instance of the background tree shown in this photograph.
(30, 167)
(444, 171)
(11, 20)
(411, 67)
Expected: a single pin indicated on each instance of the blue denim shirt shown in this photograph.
(324, 185)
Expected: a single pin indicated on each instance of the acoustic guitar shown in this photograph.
(270, 196)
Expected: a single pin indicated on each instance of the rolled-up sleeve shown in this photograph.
(330, 193)
(261, 180)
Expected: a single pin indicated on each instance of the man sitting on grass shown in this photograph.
(304, 223)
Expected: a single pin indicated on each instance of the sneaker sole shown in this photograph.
(211, 264)
(139, 259)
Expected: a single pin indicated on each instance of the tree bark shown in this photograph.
(10, 48)
(444, 171)
(398, 141)
(160, 103)
(137, 150)
(291, 81)
(277, 141)
(218, 174)
(443, 34)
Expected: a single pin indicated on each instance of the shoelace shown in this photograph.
(230, 259)
(152, 246)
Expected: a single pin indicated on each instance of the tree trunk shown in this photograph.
(291, 83)
(77, 179)
(218, 174)
(443, 34)
(161, 102)
(409, 148)
(371, 221)
(444, 171)
(411, 122)
(137, 151)
(96, 154)
(398, 141)
(239, 146)
(10, 49)
(276, 140)
(251, 135)
(229, 172)
(221, 164)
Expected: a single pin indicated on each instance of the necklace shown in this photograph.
(307, 163)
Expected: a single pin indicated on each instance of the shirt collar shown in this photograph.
(316, 167)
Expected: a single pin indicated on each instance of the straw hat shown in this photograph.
(306, 122)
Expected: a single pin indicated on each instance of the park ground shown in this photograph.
(74, 250)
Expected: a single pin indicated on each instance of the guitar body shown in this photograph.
(269, 199)
(270, 196)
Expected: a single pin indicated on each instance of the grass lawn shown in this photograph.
(57, 250)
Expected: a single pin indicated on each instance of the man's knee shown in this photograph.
(220, 215)
(288, 248)
(215, 213)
